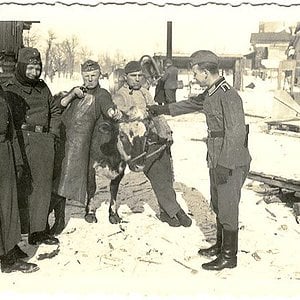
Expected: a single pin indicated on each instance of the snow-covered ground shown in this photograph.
(145, 258)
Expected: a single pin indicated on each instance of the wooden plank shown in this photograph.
(289, 184)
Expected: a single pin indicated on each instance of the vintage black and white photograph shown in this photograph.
(149, 150)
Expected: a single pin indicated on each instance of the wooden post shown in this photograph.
(238, 74)
(169, 39)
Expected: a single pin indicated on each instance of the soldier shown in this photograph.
(169, 80)
(228, 156)
(10, 228)
(158, 168)
(82, 107)
(36, 122)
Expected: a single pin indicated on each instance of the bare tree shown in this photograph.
(108, 62)
(84, 54)
(31, 38)
(48, 67)
(69, 47)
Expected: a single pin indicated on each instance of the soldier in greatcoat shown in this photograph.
(227, 156)
(10, 228)
(170, 80)
(36, 121)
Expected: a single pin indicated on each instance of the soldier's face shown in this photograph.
(135, 80)
(33, 71)
(200, 75)
(91, 78)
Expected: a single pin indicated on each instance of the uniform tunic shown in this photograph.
(34, 106)
(158, 168)
(224, 112)
(10, 230)
(170, 79)
(79, 119)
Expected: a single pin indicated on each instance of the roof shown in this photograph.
(270, 37)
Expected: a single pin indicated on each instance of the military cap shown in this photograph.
(132, 66)
(29, 55)
(168, 61)
(204, 56)
(90, 65)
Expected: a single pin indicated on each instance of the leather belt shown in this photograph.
(34, 128)
(214, 134)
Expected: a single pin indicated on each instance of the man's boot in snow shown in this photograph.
(216, 248)
(228, 256)
(59, 214)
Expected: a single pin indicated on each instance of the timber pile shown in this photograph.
(277, 181)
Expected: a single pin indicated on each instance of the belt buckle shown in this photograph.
(39, 128)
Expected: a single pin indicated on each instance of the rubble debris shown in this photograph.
(193, 271)
(272, 214)
(245, 251)
(255, 256)
(49, 254)
(166, 240)
(251, 85)
(115, 233)
(70, 231)
(271, 199)
(149, 261)
(265, 189)
(284, 227)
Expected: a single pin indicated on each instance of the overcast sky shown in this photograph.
(136, 30)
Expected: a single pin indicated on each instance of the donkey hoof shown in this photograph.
(91, 218)
(114, 219)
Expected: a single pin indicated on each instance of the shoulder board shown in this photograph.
(225, 86)
(8, 82)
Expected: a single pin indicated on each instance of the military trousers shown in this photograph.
(10, 230)
(170, 95)
(159, 170)
(35, 185)
(225, 197)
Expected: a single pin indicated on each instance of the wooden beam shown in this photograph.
(289, 184)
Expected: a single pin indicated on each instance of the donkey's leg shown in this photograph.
(92, 204)
(114, 217)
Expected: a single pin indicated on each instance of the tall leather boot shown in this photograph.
(59, 214)
(227, 258)
(216, 248)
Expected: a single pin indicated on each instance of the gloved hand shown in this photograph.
(156, 110)
(222, 174)
(115, 114)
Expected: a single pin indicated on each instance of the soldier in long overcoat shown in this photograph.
(36, 121)
(228, 156)
(10, 228)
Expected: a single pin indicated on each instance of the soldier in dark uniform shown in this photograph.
(36, 122)
(158, 168)
(10, 228)
(228, 156)
(82, 107)
(170, 79)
